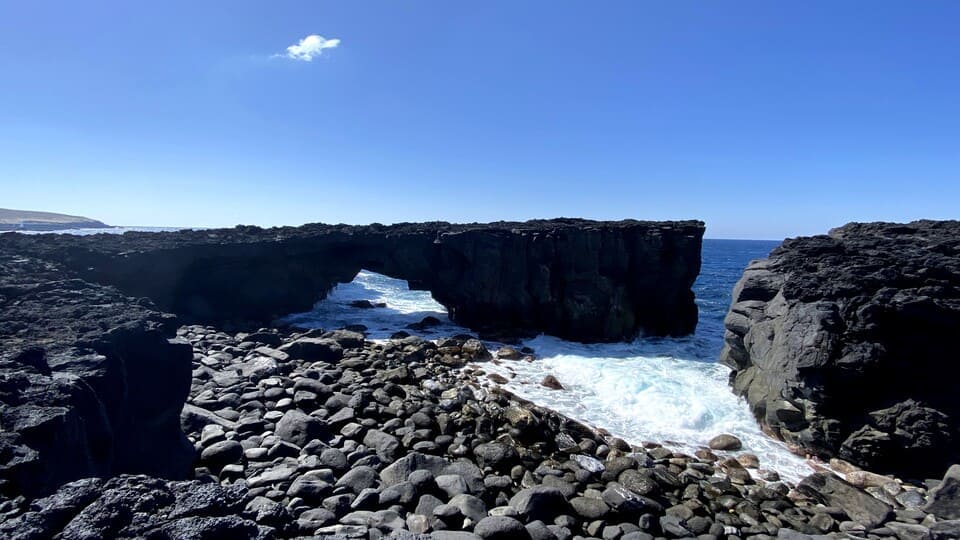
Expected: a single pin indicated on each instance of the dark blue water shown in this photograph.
(723, 264)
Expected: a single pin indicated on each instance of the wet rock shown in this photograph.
(725, 442)
(629, 503)
(508, 353)
(551, 382)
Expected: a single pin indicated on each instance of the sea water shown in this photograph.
(666, 390)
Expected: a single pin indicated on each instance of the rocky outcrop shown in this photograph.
(91, 382)
(844, 344)
(143, 507)
(582, 280)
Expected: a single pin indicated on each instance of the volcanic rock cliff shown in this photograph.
(577, 279)
(91, 382)
(845, 344)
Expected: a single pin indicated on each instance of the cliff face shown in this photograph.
(582, 280)
(845, 344)
(91, 383)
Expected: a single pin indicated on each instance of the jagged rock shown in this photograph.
(871, 306)
(138, 507)
(91, 382)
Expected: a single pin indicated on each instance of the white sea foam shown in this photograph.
(403, 307)
(642, 396)
(650, 390)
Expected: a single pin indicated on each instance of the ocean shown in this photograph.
(667, 390)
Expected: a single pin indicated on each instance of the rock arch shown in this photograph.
(576, 279)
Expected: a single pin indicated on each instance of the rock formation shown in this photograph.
(581, 280)
(844, 344)
(91, 382)
(325, 434)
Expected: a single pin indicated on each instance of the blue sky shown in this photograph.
(764, 119)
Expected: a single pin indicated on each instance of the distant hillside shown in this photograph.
(25, 220)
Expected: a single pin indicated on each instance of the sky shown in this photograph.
(764, 119)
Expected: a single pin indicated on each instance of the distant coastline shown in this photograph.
(27, 220)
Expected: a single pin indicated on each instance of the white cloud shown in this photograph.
(310, 47)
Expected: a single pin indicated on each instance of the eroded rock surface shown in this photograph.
(577, 279)
(91, 382)
(845, 344)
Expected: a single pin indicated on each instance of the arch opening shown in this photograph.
(382, 305)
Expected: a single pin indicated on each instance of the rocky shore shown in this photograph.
(844, 345)
(118, 422)
(326, 434)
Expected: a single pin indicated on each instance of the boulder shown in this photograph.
(310, 349)
(551, 382)
(500, 528)
(298, 428)
(725, 442)
(541, 502)
(943, 501)
(830, 490)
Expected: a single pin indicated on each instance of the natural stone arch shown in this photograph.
(576, 279)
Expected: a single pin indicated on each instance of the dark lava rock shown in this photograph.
(541, 502)
(91, 382)
(944, 500)
(221, 453)
(629, 503)
(725, 442)
(872, 306)
(138, 507)
(551, 382)
(314, 350)
(833, 491)
(496, 455)
(577, 279)
(500, 528)
(298, 428)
